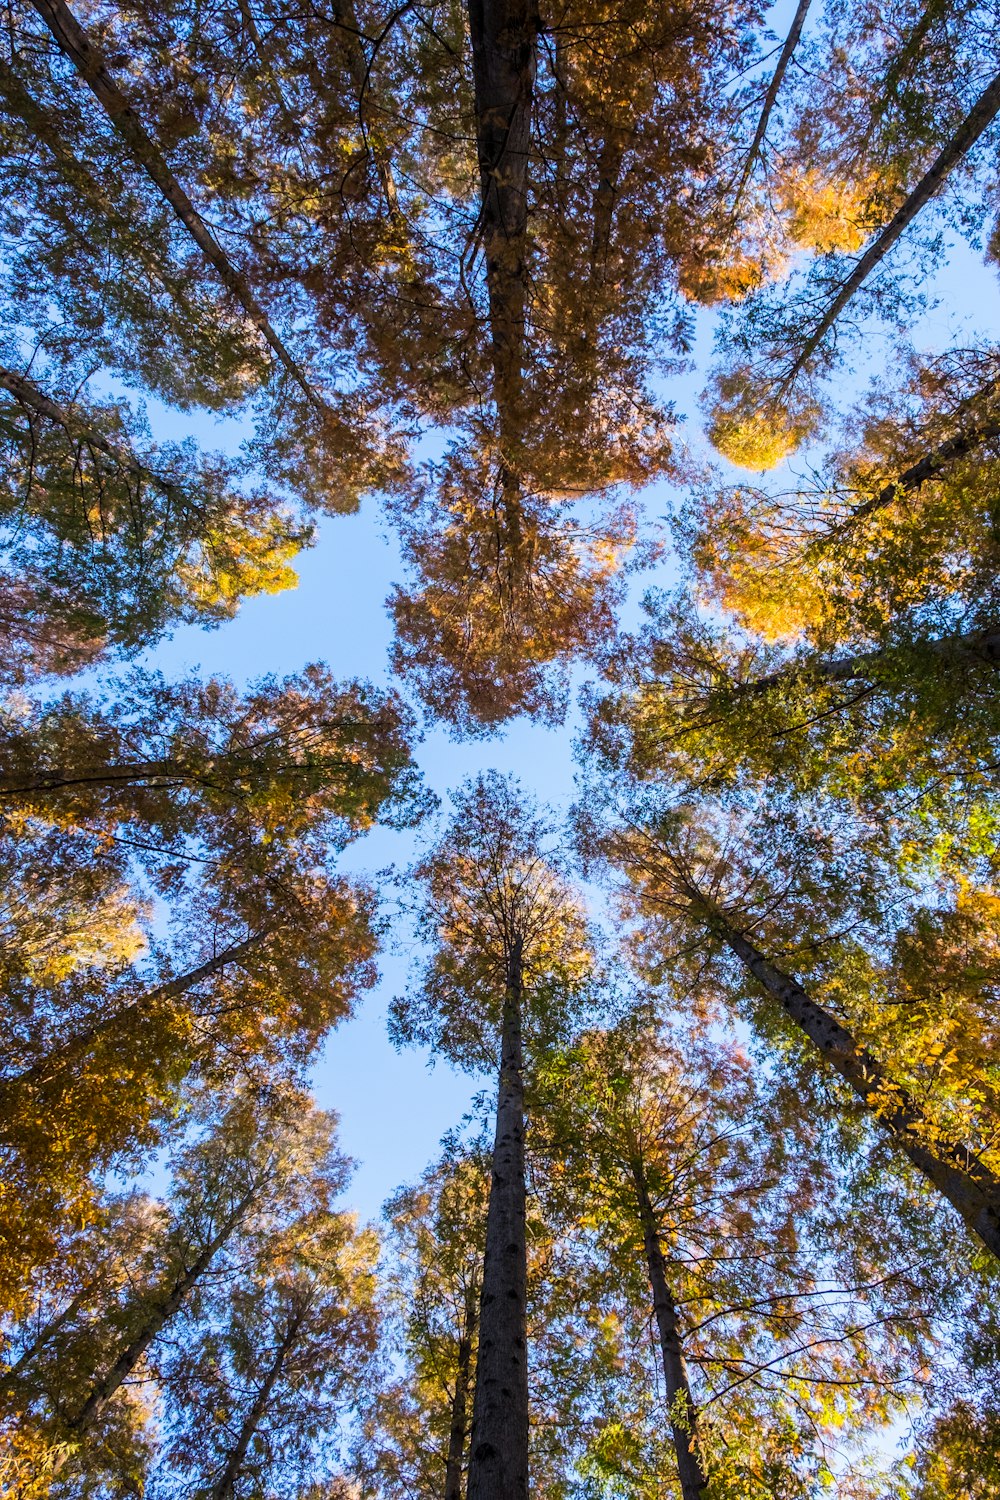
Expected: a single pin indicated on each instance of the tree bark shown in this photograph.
(970, 1187)
(160, 1313)
(74, 42)
(498, 1461)
(965, 441)
(785, 57)
(504, 59)
(680, 1401)
(979, 118)
(225, 1486)
(975, 646)
(459, 1428)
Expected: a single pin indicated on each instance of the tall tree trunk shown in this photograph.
(609, 167)
(504, 59)
(955, 1171)
(459, 1429)
(874, 666)
(10, 1376)
(165, 994)
(361, 79)
(159, 1314)
(74, 42)
(25, 785)
(980, 117)
(498, 1461)
(680, 1402)
(784, 58)
(225, 1486)
(966, 440)
(36, 403)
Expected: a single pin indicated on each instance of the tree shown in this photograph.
(556, 405)
(922, 95)
(262, 1159)
(237, 805)
(511, 952)
(678, 871)
(710, 1213)
(271, 1359)
(417, 1437)
(113, 544)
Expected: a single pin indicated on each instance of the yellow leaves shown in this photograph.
(825, 216)
(754, 429)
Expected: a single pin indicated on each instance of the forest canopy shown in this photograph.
(523, 1019)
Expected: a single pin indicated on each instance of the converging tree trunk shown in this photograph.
(980, 117)
(966, 440)
(498, 1462)
(37, 404)
(680, 1402)
(10, 1376)
(77, 46)
(225, 1486)
(504, 58)
(459, 1428)
(146, 1004)
(955, 1171)
(784, 58)
(159, 1313)
(874, 666)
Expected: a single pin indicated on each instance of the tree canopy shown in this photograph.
(650, 352)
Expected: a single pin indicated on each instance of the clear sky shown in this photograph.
(394, 1109)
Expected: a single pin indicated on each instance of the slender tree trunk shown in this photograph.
(24, 785)
(965, 441)
(35, 402)
(971, 1188)
(875, 666)
(785, 57)
(361, 79)
(74, 42)
(459, 1428)
(12, 1374)
(679, 1399)
(498, 1461)
(979, 118)
(225, 1486)
(11, 1099)
(609, 167)
(159, 1314)
(504, 59)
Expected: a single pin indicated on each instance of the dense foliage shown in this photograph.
(723, 1222)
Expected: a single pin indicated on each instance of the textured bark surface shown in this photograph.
(459, 1429)
(971, 1188)
(504, 58)
(980, 117)
(225, 1486)
(694, 1481)
(498, 1461)
(86, 58)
